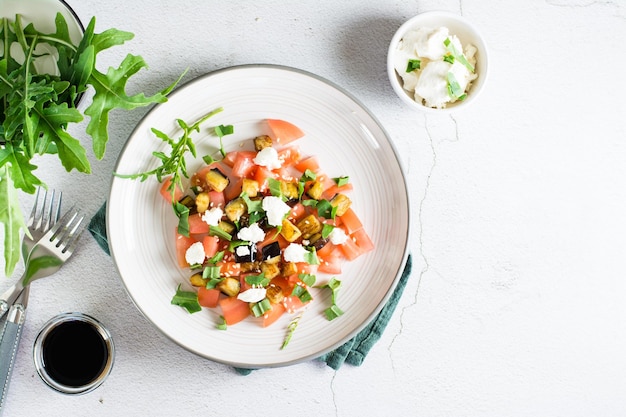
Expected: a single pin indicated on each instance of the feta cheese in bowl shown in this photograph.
(437, 62)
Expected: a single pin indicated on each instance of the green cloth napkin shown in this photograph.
(352, 352)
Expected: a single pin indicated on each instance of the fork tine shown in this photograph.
(33, 213)
(64, 222)
(70, 236)
(72, 242)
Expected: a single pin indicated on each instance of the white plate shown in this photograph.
(347, 140)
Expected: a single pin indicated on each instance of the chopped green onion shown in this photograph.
(186, 299)
(216, 231)
(310, 203)
(302, 293)
(457, 55)
(326, 210)
(258, 280)
(414, 64)
(212, 283)
(216, 258)
(341, 181)
(260, 308)
(333, 312)
(222, 324)
(308, 175)
(308, 279)
(222, 131)
(311, 257)
(293, 324)
(327, 230)
(211, 272)
(454, 89)
(275, 188)
(449, 58)
(208, 159)
(182, 212)
(236, 243)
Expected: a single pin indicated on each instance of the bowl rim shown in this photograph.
(478, 42)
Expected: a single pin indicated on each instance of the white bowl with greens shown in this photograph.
(47, 62)
(437, 62)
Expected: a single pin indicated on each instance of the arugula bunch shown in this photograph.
(36, 109)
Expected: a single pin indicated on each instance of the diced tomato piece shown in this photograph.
(351, 221)
(216, 199)
(208, 297)
(233, 190)
(326, 250)
(363, 240)
(182, 244)
(167, 194)
(292, 303)
(242, 282)
(289, 156)
(350, 249)
(229, 268)
(311, 163)
(284, 132)
(297, 211)
(334, 189)
(261, 175)
(244, 164)
(274, 314)
(229, 159)
(197, 225)
(234, 310)
(331, 264)
(211, 245)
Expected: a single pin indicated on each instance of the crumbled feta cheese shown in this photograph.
(195, 254)
(252, 233)
(268, 157)
(294, 253)
(276, 209)
(337, 236)
(252, 295)
(213, 216)
(242, 250)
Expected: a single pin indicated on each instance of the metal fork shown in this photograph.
(46, 257)
(42, 217)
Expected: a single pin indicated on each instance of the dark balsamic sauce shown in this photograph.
(74, 353)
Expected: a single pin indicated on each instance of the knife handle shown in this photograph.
(9, 343)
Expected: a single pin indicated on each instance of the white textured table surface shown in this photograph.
(516, 306)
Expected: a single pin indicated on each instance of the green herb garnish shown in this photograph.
(260, 308)
(326, 210)
(454, 89)
(457, 55)
(333, 311)
(413, 64)
(293, 324)
(341, 181)
(36, 110)
(258, 280)
(217, 231)
(222, 324)
(327, 229)
(186, 299)
(222, 131)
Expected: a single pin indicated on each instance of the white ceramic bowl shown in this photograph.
(466, 33)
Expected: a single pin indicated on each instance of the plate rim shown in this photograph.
(393, 285)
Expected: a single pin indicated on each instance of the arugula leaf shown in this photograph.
(11, 217)
(37, 109)
(186, 299)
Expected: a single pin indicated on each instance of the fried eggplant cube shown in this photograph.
(202, 202)
(289, 189)
(288, 268)
(216, 180)
(342, 202)
(262, 142)
(250, 187)
(197, 281)
(235, 209)
(229, 286)
(290, 231)
(274, 294)
(315, 190)
(270, 269)
(309, 226)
